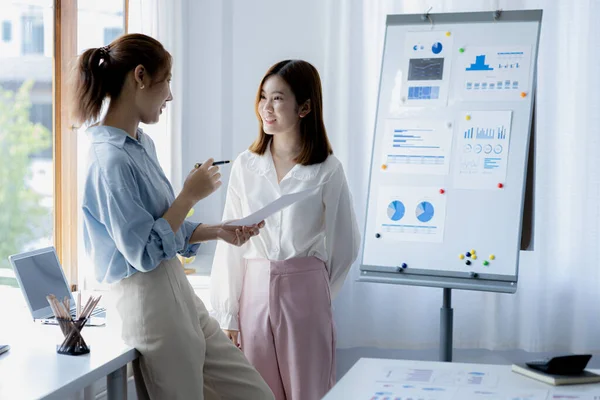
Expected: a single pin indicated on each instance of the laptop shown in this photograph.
(39, 274)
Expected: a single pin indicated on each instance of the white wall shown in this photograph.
(223, 73)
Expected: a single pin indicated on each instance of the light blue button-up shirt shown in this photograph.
(126, 194)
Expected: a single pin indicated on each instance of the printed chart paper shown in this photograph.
(483, 139)
(415, 214)
(416, 146)
(428, 58)
(494, 73)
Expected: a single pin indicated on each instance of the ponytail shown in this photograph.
(101, 72)
(90, 87)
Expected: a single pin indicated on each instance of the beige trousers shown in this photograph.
(184, 353)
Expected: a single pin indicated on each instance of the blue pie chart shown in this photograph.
(425, 211)
(436, 48)
(395, 210)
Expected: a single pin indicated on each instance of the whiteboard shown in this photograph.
(449, 158)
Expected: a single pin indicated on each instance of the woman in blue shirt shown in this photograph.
(134, 226)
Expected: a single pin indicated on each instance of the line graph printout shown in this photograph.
(416, 147)
(428, 58)
(482, 145)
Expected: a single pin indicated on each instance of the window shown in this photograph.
(38, 142)
(26, 164)
(111, 34)
(41, 113)
(6, 31)
(32, 34)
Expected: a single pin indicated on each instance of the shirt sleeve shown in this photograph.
(342, 237)
(143, 240)
(189, 249)
(227, 273)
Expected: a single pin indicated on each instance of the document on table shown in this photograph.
(277, 205)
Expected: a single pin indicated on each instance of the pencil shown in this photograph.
(198, 165)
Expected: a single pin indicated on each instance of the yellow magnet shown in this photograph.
(448, 34)
(468, 117)
(474, 256)
(461, 257)
(384, 167)
(492, 257)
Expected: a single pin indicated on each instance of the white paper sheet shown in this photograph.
(565, 394)
(494, 73)
(402, 391)
(428, 58)
(282, 202)
(411, 213)
(482, 149)
(501, 394)
(416, 146)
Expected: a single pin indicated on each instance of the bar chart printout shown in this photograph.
(416, 147)
(482, 149)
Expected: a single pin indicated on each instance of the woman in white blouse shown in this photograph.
(276, 290)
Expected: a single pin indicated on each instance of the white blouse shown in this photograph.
(322, 225)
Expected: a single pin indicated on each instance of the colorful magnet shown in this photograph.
(442, 191)
(492, 257)
(461, 257)
(468, 117)
(384, 167)
(448, 34)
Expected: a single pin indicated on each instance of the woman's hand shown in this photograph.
(238, 235)
(201, 182)
(232, 335)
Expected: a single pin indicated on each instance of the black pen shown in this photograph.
(198, 165)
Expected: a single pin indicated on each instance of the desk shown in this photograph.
(382, 379)
(33, 370)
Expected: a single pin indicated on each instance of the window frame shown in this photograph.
(65, 137)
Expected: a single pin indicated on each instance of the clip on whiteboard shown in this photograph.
(426, 17)
(473, 275)
(497, 14)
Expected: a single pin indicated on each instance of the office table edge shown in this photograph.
(91, 377)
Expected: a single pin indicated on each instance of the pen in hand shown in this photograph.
(198, 165)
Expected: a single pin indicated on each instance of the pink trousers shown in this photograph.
(286, 326)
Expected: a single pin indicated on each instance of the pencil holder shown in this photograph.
(73, 344)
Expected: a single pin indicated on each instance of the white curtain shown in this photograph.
(163, 20)
(557, 306)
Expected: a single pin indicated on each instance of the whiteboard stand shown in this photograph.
(446, 325)
(450, 153)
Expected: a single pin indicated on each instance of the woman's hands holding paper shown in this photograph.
(238, 235)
